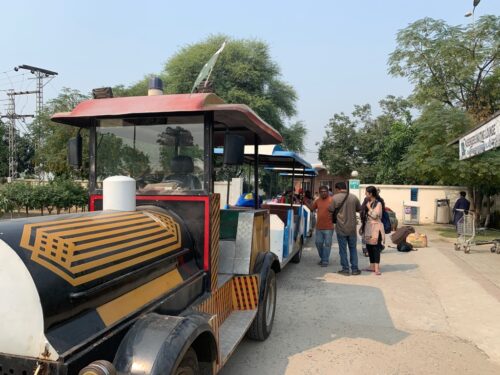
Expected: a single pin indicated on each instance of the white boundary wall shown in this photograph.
(395, 196)
(236, 189)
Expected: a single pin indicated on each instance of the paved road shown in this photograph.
(427, 314)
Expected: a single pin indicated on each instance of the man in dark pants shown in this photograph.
(461, 205)
(348, 205)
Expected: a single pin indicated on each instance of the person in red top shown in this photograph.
(324, 225)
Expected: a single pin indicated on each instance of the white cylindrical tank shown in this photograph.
(119, 193)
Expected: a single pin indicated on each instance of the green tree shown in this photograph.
(293, 136)
(140, 88)
(339, 149)
(51, 156)
(430, 160)
(372, 146)
(20, 195)
(397, 142)
(244, 73)
(384, 141)
(135, 162)
(454, 65)
(109, 148)
(25, 153)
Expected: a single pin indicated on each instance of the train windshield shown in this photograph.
(163, 154)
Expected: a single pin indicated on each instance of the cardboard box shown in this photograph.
(417, 239)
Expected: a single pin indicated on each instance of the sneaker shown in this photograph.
(344, 272)
(324, 264)
(356, 272)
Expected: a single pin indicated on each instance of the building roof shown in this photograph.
(238, 117)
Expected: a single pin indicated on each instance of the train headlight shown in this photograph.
(98, 368)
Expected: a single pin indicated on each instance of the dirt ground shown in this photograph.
(433, 311)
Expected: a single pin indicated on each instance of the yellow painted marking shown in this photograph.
(89, 229)
(25, 239)
(122, 306)
(105, 271)
(110, 233)
(57, 253)
(120, 255)
(245, 292)
(94, 244)
(85, 220)
(70, 223)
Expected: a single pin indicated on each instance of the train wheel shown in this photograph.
(263, 322)
(189, 364)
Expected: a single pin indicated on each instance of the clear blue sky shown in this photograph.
(333, 52)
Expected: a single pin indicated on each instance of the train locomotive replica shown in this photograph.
(134, 285)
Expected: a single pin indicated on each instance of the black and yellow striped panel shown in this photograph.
(214, 239)
(245, 292)
(90, 247)
(220, 303)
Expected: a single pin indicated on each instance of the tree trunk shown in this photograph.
(478, 200)
(488, 210)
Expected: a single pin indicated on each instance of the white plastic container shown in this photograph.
(119, 193)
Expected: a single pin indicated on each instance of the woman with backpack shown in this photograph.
(373, 229)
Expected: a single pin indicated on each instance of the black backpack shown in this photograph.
(405, 247)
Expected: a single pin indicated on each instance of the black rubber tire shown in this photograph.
(189, 364)
(298, 256)
(261, 327)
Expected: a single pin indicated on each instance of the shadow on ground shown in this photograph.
(321, 312)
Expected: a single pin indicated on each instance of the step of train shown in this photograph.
(233, 306)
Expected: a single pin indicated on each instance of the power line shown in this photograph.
(12, 116)
(40, 75)
(13, 76)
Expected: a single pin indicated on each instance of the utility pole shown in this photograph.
(40, 75)
(12, 116)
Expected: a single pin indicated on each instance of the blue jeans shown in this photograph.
(350, 241)
(324, 244)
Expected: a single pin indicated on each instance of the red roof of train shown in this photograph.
(227, 115)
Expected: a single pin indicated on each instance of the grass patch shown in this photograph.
(487, 235)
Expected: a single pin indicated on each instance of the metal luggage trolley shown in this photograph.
(466, 228)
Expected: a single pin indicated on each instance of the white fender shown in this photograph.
(21, 318)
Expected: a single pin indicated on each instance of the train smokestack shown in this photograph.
(155, 86)
(119, 193)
